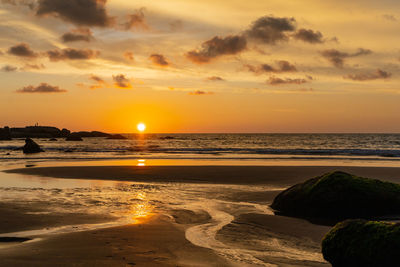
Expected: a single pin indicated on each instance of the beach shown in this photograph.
(161, 215)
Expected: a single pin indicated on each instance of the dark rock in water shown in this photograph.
(31, 147)
(5, 133)
(53, 139)
(73, 137)
(91, 134)
(337, 196)
(363, 243)
(68, 150)
(65, 132)
(117, 137)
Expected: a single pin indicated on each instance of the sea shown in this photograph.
(235, 149)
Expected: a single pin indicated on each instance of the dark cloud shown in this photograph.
(337, 57)
(129, 56)
(121, 81)
(159, 60)
(41, 88)
(80, 12)
(283, 66)
(34, 66)
(270, 30)
(279, 81)
(80, 34)
(22, 50)
(216, 47)
(71, 54)
(308, 36)
(215, 78)
(96, 79)
(8, 68)
(136, 21)
(200, 92)
(378, 74)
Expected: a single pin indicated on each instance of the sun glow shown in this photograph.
(141, 127)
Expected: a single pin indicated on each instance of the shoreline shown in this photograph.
(245, 175)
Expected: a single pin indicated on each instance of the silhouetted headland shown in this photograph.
(8, 133)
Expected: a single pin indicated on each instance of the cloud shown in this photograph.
(159, 60)
(270, 30)
(71, 54)
(216, 47)
(215, 79)
(79, 12)
(308, 36)
(176, 25)
(389, 17)
(378, 74)
(96, 79)
(136, 20)
(41, 88)
(283, 66)
(337, 57)
(279, 81)
(200, 92)
(121, 81)
(28, 3)
(22, 50)
(8, 68)
(34, 67)
(80, 34)
(129, 56)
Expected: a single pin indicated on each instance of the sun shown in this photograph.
(141, 127)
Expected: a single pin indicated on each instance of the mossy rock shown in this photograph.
(363, 243)
(337, 196)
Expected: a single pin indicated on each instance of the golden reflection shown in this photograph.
(141, 212)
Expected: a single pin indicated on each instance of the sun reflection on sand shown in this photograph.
(141, 212)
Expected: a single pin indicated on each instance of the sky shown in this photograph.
(201, 66)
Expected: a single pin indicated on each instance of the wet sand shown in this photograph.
(174, 237)
(156, 242)
(272, 175)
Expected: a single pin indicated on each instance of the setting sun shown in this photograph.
(141, 127)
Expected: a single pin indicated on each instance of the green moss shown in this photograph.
(336, 196)
(363, 243)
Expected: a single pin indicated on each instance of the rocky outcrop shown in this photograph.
(31, 147)
(5, 133)
(336, 196)
(363, 243)
(73, 137)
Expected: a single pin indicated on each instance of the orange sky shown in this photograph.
(201, 66)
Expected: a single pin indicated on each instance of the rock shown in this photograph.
(116, 137)
(363, 243)
(91, 134)
(336, 196)
(31, 147)
(65, 132)
(5, 133)
(73, 137)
